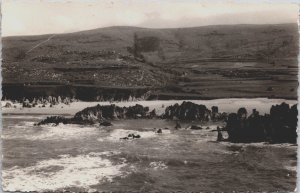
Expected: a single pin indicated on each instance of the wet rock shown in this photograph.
(220, 136)
(131, 136)
(8, 105)
(159, 131)
(112, 112)
(242, 113)
(152, 114)
(26, 104)
(136, 136)
(187, 111)
(283, 123)
(54, 119)
(137, 111)
(277, 127)
(98, 113)
(194, 127)
(106, 123)
(214, 109)
(178, 126)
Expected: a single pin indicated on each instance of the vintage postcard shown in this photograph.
(149, 96)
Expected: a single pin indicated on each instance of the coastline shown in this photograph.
(228, 105)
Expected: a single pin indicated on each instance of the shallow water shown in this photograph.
(93, 158)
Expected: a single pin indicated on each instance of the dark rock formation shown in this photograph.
(152, 114)
(187, 111)
(106, 123)
(112, 112)
(194, 127)
(92, 115)
(178, 126)
(159, 131)
(56, 120)
(26, 104)
(137, 111)
(282, 126)
(220, 136)
(277, 127)
(131, 136)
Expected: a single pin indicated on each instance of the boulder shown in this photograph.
(194, 127)
(26, 104)
(220, 136)
(54, 119)
(177, 126)
(131, 136)
(106, 123)
(8, 105)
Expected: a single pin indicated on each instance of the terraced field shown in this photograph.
(187, 63)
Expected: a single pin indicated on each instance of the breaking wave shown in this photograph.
(66, 171)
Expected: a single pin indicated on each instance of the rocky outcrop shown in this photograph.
(55, 120)
(96, 114)
(283, 123)
(106, 123)
(277, 127)
(112, 112)
(187, 111)
(216, 115)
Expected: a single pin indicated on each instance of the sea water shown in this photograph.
(94, 158)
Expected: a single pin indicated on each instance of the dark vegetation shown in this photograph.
(277, 127)
(117, 63)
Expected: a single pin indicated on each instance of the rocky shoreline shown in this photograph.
(279, 126)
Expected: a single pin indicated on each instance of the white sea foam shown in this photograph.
(23, 124)
(158, 165)
(291, 168)
(64, 132)
(50, 132)
(80, 171)
(21, 117)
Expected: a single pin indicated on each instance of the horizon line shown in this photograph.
(140, 27)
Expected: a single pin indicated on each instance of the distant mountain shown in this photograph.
(162, 61)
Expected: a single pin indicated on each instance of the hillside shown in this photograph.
(115, 62)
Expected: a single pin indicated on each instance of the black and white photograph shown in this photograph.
(149, 96)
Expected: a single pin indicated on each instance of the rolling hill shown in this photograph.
(114, 63)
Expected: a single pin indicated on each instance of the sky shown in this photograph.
(34, 17)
